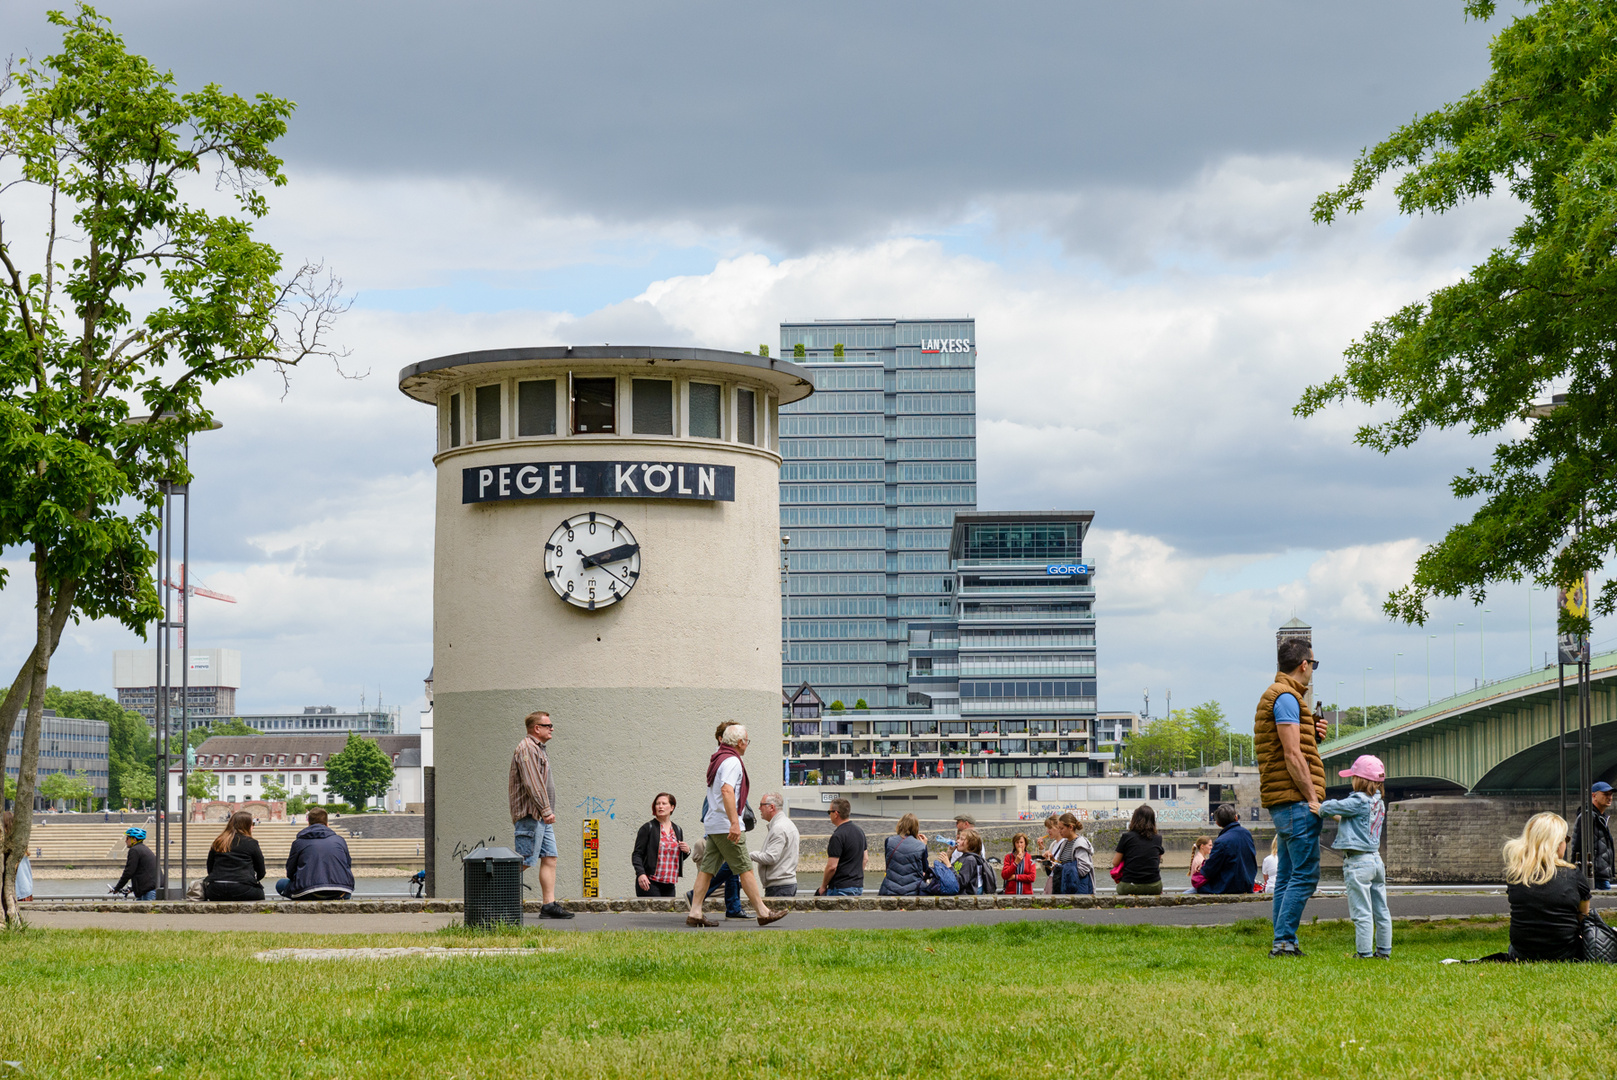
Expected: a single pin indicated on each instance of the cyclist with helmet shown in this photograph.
(140, 867)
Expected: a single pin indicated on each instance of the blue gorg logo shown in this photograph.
(1065, 569)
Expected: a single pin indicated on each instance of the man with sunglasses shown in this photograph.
(533, 809)
(1292, 780)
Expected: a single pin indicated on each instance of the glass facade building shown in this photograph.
(876, 463)
(1001, 685)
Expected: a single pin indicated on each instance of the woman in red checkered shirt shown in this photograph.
(659, 850)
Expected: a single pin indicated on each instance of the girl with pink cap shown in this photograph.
(1358, 838)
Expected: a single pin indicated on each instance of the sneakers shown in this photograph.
(553, 910)
(1285, 948)
(736, 915)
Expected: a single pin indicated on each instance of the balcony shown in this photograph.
(992, 671)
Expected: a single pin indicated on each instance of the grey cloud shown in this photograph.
(810, 123)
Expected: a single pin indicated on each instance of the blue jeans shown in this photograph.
(152, 895)
(1297, 828)
(1365, 876)
(726, 879)
(848, 890)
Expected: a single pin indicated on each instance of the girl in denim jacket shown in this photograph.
(1358, 838)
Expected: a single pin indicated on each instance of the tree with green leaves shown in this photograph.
(1534, 318)
(359, 772)
(70, 788)
(203, 784)
(117, 291)
(274, 790)
(138, 788)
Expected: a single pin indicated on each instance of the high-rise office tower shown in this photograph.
(876, 462)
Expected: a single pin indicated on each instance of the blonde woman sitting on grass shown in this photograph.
(1548, 895)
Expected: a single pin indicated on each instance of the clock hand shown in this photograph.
(617, 554)
(600, 566)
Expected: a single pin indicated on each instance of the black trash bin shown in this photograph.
(493, 878)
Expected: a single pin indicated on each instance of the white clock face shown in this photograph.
(592, 560)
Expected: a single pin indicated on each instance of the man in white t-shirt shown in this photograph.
(726, 795)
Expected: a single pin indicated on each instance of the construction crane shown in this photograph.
(187, 589)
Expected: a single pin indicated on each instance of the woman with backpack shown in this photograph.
(971, 868)
(906, 860)
(1137, 867)
(1073, 858)
(1019, 870)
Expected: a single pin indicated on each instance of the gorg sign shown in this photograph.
(1066, 569)
(598, 480)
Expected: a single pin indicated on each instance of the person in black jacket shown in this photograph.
(1232, 866)
(1604, 870)
(318, 866)
(235, 862)
(659, 850)
(140, 866)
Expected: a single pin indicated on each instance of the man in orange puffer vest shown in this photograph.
(1292, 780)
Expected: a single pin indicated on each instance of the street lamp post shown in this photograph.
(163, 713)
(1429, 639)
(1457, 656)
(1395, 657)
(1580, 650)
(1364, 700)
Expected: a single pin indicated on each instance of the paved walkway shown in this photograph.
(1419, 906)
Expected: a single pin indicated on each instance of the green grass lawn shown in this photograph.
(1018, 1000)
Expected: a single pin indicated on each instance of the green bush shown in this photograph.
(837, 706)
(861, 704)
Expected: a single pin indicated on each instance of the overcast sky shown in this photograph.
(1118, 193)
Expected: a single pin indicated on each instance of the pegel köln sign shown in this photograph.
(598, 480)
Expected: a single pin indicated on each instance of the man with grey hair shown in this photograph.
(726, 845)
(777, 862)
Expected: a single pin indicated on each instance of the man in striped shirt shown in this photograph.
(533, 809)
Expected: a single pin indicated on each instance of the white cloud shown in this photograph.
(1148, 376)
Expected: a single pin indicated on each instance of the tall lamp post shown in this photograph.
(1364, 700)
(1429, 639)
(1395, 657)
(1457, 656)
(1573, 599)
(165, 679)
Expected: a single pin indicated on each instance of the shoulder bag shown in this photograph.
(1597, 942)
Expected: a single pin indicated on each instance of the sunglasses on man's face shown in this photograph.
(1313, 665)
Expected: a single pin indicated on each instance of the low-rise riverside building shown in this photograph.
(246, 764)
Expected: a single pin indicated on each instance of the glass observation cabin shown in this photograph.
(603, 393)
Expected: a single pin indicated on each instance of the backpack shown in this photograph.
(941, 881)
(975, 880)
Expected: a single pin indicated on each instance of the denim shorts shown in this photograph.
(534, 834)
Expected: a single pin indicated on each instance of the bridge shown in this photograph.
(1498, 739)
